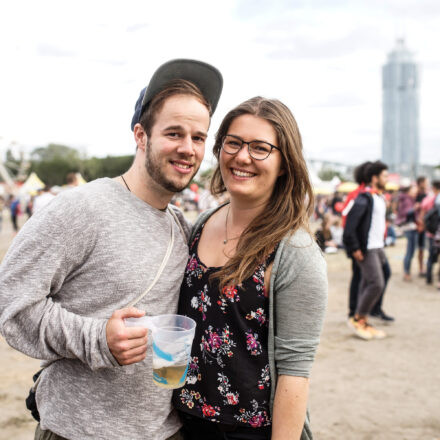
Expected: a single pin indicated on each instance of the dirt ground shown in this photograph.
(383, 390)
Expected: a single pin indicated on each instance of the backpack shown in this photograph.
(431, 220)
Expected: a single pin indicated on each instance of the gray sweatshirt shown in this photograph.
(91, 251)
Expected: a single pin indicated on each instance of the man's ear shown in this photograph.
(140, 136)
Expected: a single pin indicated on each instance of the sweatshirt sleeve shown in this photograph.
(300, 300)
(350, 236)
(43, 256)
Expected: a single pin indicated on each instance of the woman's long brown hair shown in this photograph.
(292, 200)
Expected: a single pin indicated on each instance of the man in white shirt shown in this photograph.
(364, 237)
(43, 198)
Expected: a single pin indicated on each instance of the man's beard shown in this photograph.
(153, 169)
(380, 187)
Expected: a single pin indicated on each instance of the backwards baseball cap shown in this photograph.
(207, 78)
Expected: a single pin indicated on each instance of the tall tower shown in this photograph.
(400, 130)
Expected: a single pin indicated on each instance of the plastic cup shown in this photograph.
(172, 337)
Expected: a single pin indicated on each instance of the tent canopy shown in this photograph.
(32, 184)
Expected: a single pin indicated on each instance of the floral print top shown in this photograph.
(228, 377)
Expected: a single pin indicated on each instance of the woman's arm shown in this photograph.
(290, 405)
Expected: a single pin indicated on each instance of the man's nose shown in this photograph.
(186, 146)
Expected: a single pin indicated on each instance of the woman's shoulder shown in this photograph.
(202, 219)
(296, 250)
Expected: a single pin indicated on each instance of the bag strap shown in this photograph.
(158, 274)
(162, 265)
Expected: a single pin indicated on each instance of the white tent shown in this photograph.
(32, 185)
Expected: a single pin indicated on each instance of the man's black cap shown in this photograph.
(207, 78)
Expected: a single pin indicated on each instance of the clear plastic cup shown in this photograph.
(172, 337)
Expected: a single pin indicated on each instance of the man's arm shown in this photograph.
(45, 254)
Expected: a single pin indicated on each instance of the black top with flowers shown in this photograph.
(228, 378)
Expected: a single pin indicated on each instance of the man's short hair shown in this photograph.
(359, 173)
(420, 180)
(175, 87)
(374, 169)
(71, 178)
(436, 184)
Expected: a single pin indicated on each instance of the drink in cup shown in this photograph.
(172, 337)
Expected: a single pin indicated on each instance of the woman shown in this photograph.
(406, 219)
(256, 285)
(324, 236)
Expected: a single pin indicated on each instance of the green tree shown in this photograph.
(327, 174)
(109, 166)
(54, 162)
(12, 163)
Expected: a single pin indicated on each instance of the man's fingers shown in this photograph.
(136, 332)
(129, 312)
(134, 360)
(126, 346)
(132, 356)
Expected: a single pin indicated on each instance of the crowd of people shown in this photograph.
(29, 203)
(371, 218)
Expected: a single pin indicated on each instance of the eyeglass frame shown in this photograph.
(248, 146)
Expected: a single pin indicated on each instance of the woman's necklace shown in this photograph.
(122, 177)
(225, 241)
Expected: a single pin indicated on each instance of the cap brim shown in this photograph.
(206, 77)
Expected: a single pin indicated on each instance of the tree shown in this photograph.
(110, 166)
(327, 174)
(54, 162)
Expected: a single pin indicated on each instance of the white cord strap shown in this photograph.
(162, 265)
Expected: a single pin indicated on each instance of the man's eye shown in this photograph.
(173, 135)
(198, 139)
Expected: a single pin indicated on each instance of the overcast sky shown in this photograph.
(71, 71)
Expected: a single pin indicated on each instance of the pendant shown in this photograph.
(225, 241)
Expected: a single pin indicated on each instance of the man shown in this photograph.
(67, 278)
(71, 180)
(422, 191)
(428, 203)
(364, 239)
(43, 198)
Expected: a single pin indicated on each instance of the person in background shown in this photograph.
(364, 236)
(42, 199)
(429, 202)
(2, 205)
(406, 220)
(71, 180)
(337, 232)
(360, 178)
(422, 191)
(14, 207)
(324, 236)
(256, 285)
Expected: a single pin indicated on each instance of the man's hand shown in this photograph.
(127, 344)
(358, 255)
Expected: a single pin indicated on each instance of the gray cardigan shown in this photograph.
(297, 303)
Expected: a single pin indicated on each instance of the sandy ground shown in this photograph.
(381, 390)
